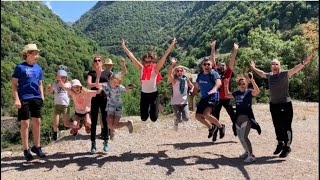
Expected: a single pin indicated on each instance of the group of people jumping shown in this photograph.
(105, 89)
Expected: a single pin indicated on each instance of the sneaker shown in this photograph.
(93, 147)
(250, 159)
(130, 126)
(112, 132)
(244, 155)
(215, 134)
(222, 131)
(38, 151)
(278, 149)
(211, 131)
(74, 131)
(27, 154)
(286, 150)
(105, 146)
(55, 136)
(88, 129)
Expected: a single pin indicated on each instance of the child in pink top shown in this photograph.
(82, 102)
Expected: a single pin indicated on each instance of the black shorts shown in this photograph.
(30, 108)
(204, 103)
(81, 116)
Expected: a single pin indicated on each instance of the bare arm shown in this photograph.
(226, 89)
(130, 55)
(170, 75)
(41, 89)
(14, 86)
(298, 67)
(49, 89)
(164, 57)
(123, 67)
(215, 87)
(191, 86)
(213, 53)
(258, 71)
(256, 89)
(233, 56)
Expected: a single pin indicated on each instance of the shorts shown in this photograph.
(61, 109)
(81, 116)
(204, 103)
(114, 111)
(30, 108)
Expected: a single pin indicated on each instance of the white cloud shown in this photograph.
(48, 3)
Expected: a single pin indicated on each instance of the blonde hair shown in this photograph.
(117, 77)
(82, 89)
(95, 57)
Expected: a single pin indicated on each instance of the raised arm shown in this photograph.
(258, 71)
(256, 89)
(191, 86)
(298, 67)
(233, 56)
(164, 57)
(130, 55)
(123, 67)
(226, 89)
(62, 84)
(213, 54)
(49, 89)
(170, 75)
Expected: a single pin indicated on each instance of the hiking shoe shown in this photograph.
(38, 151)
(286, 150)
(105, 146)
(222, 131)
(112, 132)
(55, 136)
(93, 147)
(278, 149)
(215, 134)
(130, 126)
(27, 154)
(250, 159)
(88, 129)
(244, 155)
(211, 131)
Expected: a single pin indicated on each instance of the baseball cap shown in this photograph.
(62, 72)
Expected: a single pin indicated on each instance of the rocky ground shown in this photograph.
(157, 151)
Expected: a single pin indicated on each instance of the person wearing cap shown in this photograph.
(27, 91)
(180, 84)
(61, 103)
(82, 102)
(280, 102)
(150, 77)
(226, 75)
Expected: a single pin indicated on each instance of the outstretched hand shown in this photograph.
(174, 41)
(253, 64)
(173, 61)
(235, 46)
(123, 43)
(122, 62)
(213, 43)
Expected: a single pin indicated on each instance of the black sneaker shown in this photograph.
(222, 131)
(55, 136)
(278, 149)
(27, 154)
(215, 134)
(211, 131)
(286, 150)
(38, 151)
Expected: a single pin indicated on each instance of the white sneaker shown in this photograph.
(250, 159)
(244, 155)
(130, 126)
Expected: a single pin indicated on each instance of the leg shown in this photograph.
(24, 132)
(104, 125)
(207, 115)
(185, 112)
(275, 110)
(287, 116)
(154, 107)
(55, 122)
(117, 124)
(243, 125)
(144, 107)
(36, 122)
(227, 105)
(201, 119)
(94, 117)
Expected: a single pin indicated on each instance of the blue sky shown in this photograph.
(70, 11)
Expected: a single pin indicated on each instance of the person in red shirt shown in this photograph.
(226, 74)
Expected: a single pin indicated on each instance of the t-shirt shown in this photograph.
(149, 86)
(61, 96)
(177, 97)
(113, 96)
(29, 77)
(243, 101)
(226, 75)
(82, 101)
(279, 87)
(206, 84)
(105, 76)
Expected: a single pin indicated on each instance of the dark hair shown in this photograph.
(150, 54)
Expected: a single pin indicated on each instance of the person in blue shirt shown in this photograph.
(208, 81)
(27, 91)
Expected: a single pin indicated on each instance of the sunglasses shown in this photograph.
(241, 84)
(148, 62)
(179, 70)
(206, 64)
(97, 60)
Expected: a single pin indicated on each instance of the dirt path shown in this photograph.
(156, 151)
